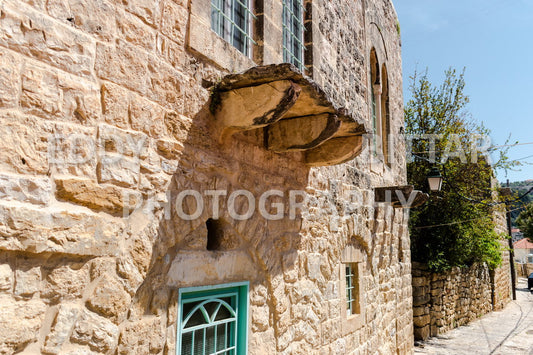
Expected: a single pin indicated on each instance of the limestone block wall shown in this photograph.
(448, 300)
(524, 270)
(104, 120)
(501, 276)
(443, 301)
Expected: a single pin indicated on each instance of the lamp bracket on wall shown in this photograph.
(400, 196)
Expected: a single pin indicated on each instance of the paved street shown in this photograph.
(507, 332)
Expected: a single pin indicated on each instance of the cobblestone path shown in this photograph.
(507, 332)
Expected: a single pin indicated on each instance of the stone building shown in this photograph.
(522, 251)
(137, 136)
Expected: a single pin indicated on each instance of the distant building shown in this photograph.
(522, 249)
(516, 234)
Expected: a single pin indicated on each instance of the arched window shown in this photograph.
(213, 320)
(375, 93)
(385, 116)
(210, 325)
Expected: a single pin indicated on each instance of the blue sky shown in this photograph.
(493, 39)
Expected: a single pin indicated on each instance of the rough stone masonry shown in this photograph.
(446, 300)
(105, 118)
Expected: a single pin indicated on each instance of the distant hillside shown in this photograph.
(520, 184)
(519, 188)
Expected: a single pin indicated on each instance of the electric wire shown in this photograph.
(460, 222)
(491, 148)
(490, 204)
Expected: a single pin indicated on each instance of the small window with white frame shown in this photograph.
(352, 289)
(293, 33)
(213, 320)
(352, 305)
(232, 20)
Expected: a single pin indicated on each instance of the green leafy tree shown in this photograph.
(525, 222)
(455, 228)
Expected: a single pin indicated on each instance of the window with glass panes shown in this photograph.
(213, 320)
(374, 123)
(232, 20)
(351, 288)
(375, 112)
(293, 32)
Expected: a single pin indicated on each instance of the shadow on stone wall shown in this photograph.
(171, 252)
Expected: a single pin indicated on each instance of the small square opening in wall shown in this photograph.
(220, 236)
(352, 289)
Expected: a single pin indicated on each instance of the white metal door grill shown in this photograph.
(209, 325)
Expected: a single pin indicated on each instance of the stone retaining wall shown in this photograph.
(501, 276)
(443, 301)
(524, 270)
